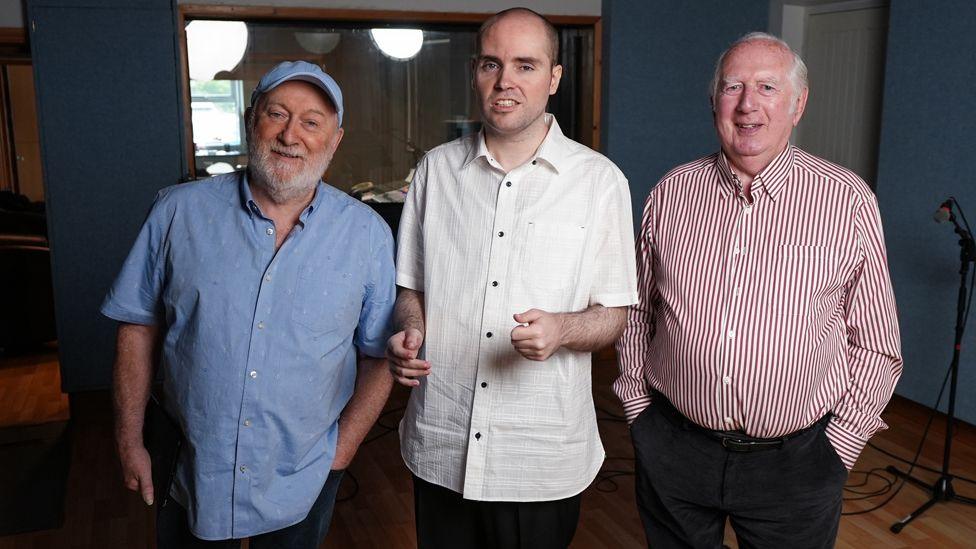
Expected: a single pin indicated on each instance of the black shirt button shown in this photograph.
(494, 283)
(501, 233)
(483, 384)
(509, 183)
(477, 436)
(488, 334)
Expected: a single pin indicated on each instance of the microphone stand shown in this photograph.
(942, 489)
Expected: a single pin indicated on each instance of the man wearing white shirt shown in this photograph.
(515, 263)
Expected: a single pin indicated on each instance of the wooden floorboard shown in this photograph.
(101, 514)
(30, 389)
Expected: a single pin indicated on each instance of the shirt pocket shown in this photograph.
(552, 255)
(326, 300)
(800, 274)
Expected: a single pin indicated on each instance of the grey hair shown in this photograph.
(797, 73)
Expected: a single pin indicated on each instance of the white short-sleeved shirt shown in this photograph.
(553, 234)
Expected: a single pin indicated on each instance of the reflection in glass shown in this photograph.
(214, 46)
(395, 109)
(400, 44)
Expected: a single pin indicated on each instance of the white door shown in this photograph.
(845, 55)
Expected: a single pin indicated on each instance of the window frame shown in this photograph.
(189, 12)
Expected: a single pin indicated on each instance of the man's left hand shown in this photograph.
(539, 336)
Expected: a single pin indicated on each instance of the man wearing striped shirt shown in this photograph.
(765, 345)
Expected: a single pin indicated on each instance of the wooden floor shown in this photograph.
(30, 389)
(378, 513)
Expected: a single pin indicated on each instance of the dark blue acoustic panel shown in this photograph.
(926, 154)
(109, 116)
(658, 59)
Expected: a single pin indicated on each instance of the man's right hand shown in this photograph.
(137, 470)
(402, 350)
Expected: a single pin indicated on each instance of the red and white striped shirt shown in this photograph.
(764, 317)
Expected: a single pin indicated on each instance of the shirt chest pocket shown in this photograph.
(800, 276)
(326, 300)
(552, 255)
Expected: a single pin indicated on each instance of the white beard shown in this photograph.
(281, 187)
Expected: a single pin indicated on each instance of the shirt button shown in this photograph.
(247, 423)
(508, 183)
(737, 292)
(501, 233)
(534, 162)
(728, 420)
(260, 325)
(735, 250)
(477, 436)
(270, 231)
(748, 210)
(267, 278)
(488, 334)
(494, 283)
(484, 384)
(731, 334)
(253, 374)
(727, 380)
(243, 468)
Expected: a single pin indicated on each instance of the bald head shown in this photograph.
(797, 68)
(552, 35)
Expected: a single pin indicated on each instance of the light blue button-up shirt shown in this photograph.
(259, 347)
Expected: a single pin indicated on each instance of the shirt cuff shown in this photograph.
(410, 282)
(114, 311)
(847, 444)
(614, 300)
(634, 406)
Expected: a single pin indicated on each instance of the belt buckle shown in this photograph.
(733, 445)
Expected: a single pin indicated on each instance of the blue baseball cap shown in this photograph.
(304, 71)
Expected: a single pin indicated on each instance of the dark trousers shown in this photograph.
(173, 530)
(446, 520)
(688, 484)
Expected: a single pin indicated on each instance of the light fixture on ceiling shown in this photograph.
(318, 42)
(399, 44)
(214, 46)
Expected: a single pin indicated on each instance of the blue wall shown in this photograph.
(658, 59)
(109, 119)
(926, 152)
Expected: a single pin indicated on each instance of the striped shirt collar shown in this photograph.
(553, 150)
(772, 179)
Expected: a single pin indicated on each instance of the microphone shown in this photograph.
(944, 213)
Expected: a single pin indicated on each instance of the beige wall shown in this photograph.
(11, 14)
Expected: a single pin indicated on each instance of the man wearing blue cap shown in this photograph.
(267, 295)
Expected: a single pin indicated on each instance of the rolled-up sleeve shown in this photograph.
(375, 318)
(410, 245)
(615, 278)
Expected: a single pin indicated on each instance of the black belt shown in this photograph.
(733, 441)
